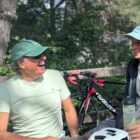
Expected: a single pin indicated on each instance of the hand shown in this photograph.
(134, 131)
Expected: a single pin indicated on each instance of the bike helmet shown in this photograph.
(110, 134)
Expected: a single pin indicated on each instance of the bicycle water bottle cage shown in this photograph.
(110, 134)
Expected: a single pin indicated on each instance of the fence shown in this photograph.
(106, 71)
(101, 72)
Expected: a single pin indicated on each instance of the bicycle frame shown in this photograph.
(90, 90)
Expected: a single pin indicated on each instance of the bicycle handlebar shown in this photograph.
(77, 73)
(70, 77)
(91, 90)
(86, 74)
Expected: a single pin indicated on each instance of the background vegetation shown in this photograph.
(80, 33)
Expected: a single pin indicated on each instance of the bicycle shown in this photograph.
(85, 98)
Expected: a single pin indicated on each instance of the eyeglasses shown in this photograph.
(135, 41)
(36, 57)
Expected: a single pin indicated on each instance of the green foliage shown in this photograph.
(85, 39)
(6, 70)
(90, 38)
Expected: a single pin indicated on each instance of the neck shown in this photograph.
(28, 77)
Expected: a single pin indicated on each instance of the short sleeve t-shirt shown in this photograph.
(35, 107)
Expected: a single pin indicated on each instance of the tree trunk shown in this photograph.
(7, 16)
(52, 14)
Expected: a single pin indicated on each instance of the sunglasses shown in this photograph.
(135, 41)
(36, 57)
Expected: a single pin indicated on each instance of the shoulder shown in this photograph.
(132, 67)
(53, 72)
(54, 75)
(8, 83)
(133, 63)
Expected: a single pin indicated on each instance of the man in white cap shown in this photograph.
(132, 89)
(133, 80)
(33, 98)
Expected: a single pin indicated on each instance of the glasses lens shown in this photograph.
(135, 41)
(36, 57)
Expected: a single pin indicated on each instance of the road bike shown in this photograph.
(85, 105)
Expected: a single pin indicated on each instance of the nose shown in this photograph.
(43, 57)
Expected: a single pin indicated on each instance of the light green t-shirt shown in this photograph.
(35, 107)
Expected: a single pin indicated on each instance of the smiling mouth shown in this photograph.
(41, 65)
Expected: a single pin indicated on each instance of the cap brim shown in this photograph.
(36, 52)
(134, 35)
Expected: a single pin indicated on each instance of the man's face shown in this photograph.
(135, 44)
(33, 67)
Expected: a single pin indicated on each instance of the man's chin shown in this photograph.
(137, 57)
(41, 70)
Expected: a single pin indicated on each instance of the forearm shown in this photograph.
(12, 136)
(72, 122)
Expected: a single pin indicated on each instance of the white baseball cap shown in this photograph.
(135, 33)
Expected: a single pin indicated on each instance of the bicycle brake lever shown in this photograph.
(72, 81)
(98, 83)
(101, 81)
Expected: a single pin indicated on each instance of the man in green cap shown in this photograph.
(32, 100)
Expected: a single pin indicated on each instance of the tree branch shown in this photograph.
(59, 3)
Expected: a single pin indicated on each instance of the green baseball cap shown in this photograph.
(27, 48)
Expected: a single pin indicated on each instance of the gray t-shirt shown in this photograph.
(35, 107)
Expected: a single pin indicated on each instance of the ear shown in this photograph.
(21, 63)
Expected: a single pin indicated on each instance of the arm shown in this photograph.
(71, 116)
(134, 131)
(5, 135)
(11, 136)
